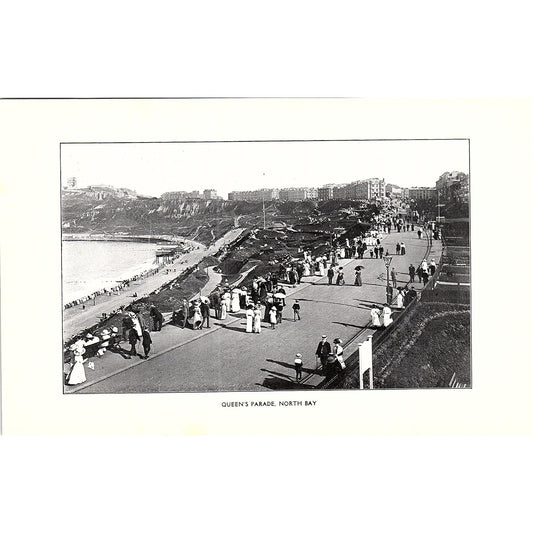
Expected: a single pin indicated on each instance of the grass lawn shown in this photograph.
(442, 349)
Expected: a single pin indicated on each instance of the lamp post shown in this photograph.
(387, 259)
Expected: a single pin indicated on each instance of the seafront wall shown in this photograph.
(122, 238)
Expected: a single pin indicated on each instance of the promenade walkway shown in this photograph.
(226, 358)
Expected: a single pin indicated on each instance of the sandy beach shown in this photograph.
(76, 318)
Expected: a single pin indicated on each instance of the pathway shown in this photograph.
(225, 358)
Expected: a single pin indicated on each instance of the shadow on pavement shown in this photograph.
(241, 330)
(349, 325)
(275, 383)
(287, 365)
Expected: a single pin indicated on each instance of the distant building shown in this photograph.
(174, 195)
(325, 193)
(369, 189)
(421, 193)
(185, 195)
(453, 185)
(461, 190)
(298, 194)
(339, 192)
(72, 182)
(100, 192)
(393, 191)
(210, 194)
(254, 196)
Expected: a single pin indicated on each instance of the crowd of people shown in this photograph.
(262, 302)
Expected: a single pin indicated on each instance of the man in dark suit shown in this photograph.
(157, 318)
(323, 350)
(205, 309)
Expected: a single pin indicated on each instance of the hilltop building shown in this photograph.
(393, 191)
(298, 194)
(208, 194)
(325, 193)
(453, 185)
(101, 192)
(254, 196)
(421, 193)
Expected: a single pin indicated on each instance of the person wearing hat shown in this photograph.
(298, 363)
(146, 342)
(205, 310)
(249, 318)
(157, 318)
(105, 335)
(133, 339)
(273, 316)
(257, 319)
(91, 344)
(77, 374)
(296, 310)
(331, 273)
(337, 352)
(323, 350)
(374, 315)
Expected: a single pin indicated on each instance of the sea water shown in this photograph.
(89, 266)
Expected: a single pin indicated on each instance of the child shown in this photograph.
(296, 309)
(298, 363)
(147, 340)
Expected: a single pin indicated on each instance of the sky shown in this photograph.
(154, 168)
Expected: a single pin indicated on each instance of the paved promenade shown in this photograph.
(226, 358)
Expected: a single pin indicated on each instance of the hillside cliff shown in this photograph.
(202, 220)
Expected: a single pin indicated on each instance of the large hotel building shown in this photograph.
(373, 188)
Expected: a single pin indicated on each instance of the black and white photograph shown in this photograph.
(265, 265)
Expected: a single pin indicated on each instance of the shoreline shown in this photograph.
(79, 295)
(103, 237)
(76, 320)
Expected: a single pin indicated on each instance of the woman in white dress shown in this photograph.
(136, 324)
(374, 313)
(197, 317)
(307, 270)
(386, 316)
(235, 304)
(77, 374)
(223, 308)
(257, 319)
(322, 267)
(249, 319)
(399, 299)
(273, 315)
(337, 352)
(227, 300)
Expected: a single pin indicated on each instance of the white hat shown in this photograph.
(324, 336)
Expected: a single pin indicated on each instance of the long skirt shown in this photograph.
(77, 374)
(249, 321)
(399, 300)
(235, 304)
(257, 324)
